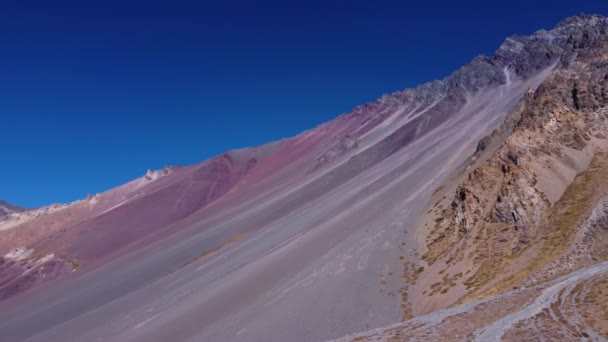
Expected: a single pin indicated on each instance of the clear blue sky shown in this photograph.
(93, 95)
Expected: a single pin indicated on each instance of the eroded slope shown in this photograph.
(519, 243)
(320, 235)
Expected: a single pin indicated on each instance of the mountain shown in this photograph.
(468, 208)
(520, 241)
(7, 208)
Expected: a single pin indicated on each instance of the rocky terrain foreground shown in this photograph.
(472, 208)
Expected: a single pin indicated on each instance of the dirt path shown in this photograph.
(555, 298)
(550, 295)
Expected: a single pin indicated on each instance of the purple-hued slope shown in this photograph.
(290, 241)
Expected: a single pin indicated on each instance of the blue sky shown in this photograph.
(93, 95)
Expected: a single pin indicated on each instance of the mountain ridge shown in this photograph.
(335, 214)
(521, 236)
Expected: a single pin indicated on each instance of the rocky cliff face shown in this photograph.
(526, 197)
(518, 243)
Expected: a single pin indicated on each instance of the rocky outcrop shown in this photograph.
(340, 147)
(587, 245)
(506, 204)
(154, 175)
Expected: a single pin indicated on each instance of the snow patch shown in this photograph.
(19, 253)
(45, 258)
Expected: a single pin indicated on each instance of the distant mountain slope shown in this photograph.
(455, 191)
(7, 208)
